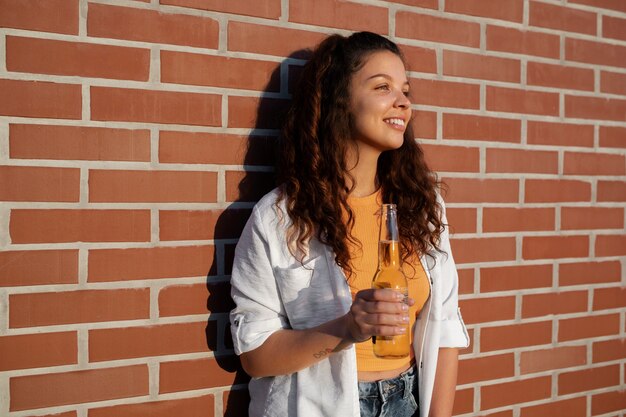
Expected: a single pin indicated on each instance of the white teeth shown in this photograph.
(399, 122)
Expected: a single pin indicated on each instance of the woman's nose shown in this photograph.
(402, 100)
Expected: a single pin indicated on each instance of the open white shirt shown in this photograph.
(272, 290)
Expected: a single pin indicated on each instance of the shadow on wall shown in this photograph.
(255, 182)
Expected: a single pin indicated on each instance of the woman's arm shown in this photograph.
(445, 383)
(373, 312)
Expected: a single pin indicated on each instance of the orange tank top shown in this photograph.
(366, 211)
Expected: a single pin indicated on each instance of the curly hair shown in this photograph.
(312, 164)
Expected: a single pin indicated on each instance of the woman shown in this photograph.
(305, 313)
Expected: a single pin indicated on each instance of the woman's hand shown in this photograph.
(377, 312)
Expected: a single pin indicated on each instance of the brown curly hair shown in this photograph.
(311, 163)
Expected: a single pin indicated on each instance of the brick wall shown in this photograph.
(136, 135)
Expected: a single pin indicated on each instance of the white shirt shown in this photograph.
(272, 290)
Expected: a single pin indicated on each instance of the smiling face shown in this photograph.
(379, 103)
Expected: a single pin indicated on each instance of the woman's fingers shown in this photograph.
(381, 312)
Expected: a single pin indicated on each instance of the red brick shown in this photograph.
(466, 281)
(612, 82)
(507, 413)
(483, 310)
(82, 306)
(613, 136)
(437, 29)
(522, 161)
(553, 358)
(515, 336)
(139, 342)
(507, 393)
(461, 220)
(466, 65)
(52, 389)
(151, 106)
(559, 134)
(199, 148)
(49, 225)
(248, 186)
(424, 124)
(605, 4)
(573, 218)
(152, 186)
(511, 10)
(606, 298)
(562, 18)
(558, 76)
(554, 191)
(611, 245)
(522, 101)
(595, 108)
(445, 94)
(611, 191)
(40, 99)
(201, 373)
(609, 350)
(78, 142)
(38, 267)
(188, 407)
(419, 59)
(513, 219)
(269, 40)
(579, 273)
(46, 56)
(201, 225)
(149, 263)
(199, 299)
(486, 368)
(452, 158)
(588, 379)
(522, 42)
(614, 27)
(576, 163)
(67, 414)
(38, 350)
(39, 184)
(59, 16)
(218, 71)
(608, 401)
(536, 305)
(574, 407)
(550, 247)
(255, 112)
(463, 402)
(483, 249)
(588, 327)
(339, 14)
(428, 4)
(262, 8)
(591, 52)
(519, 277)
(470, 190)
(104, 21)
(470, 127)
(236, 402)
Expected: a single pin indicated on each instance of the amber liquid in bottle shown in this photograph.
(390, 275)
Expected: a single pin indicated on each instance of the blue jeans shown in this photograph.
(395, 397)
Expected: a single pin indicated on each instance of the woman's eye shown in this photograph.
(406, 93)
(383, 87)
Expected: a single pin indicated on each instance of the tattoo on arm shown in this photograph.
(322, 353)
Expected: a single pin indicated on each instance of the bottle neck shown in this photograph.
(388, 254)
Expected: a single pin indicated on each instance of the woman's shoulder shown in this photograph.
(269, 203)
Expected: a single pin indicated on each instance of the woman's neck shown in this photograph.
(364, 173)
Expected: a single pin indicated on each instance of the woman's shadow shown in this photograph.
(258, 159)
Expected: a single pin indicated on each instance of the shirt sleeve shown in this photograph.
(258, 311)
(453, 330)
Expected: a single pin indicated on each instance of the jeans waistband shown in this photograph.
(387, 387)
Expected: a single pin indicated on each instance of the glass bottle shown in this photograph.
(390, 275)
